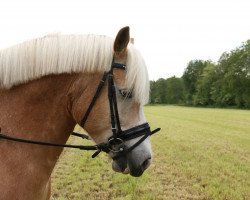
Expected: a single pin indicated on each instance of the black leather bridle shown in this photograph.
(115, 143)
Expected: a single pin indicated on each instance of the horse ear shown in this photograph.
(122, 40)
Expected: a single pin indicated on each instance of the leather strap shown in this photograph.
(92, 103)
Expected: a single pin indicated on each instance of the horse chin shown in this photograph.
(126, 171)
(120, 165)
(121, 169)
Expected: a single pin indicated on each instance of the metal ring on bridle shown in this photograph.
(116, 145)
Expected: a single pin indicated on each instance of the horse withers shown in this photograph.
(48, 84)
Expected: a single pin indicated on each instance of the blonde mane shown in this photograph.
(55, 54)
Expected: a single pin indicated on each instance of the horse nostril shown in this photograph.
(146, 163)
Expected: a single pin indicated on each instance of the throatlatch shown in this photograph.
(116, 143)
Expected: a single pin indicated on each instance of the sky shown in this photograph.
(169, 33)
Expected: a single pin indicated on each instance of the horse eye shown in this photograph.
(126, 93)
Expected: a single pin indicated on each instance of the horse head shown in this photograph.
(131, 88)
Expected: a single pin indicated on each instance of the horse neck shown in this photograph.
(37, 110)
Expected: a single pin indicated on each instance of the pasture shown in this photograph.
(200, 153)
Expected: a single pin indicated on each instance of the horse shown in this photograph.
(47, 85)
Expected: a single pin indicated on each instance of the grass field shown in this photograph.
(199, 154)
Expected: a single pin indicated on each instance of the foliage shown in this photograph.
(191, 76)
(168, 91)
(203, 90)
(204, 83)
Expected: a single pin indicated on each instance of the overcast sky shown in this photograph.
(169, 33)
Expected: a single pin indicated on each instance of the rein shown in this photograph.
(116, 143)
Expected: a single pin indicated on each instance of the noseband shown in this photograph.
(115, 143)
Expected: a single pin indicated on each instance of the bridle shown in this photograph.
(115, 143)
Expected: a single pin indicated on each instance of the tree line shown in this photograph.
(206, 83)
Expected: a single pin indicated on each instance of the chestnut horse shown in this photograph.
(46, 86)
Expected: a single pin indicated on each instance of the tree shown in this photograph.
(175, 90)
(169, 91)
(158, 91)
(233, 86)
(204, 84)
(191, 76)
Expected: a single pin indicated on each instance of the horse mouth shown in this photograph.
(126, 171)
(135, 172)
(127, 166)
(120, 166)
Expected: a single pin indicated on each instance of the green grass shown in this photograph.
(201, 153)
